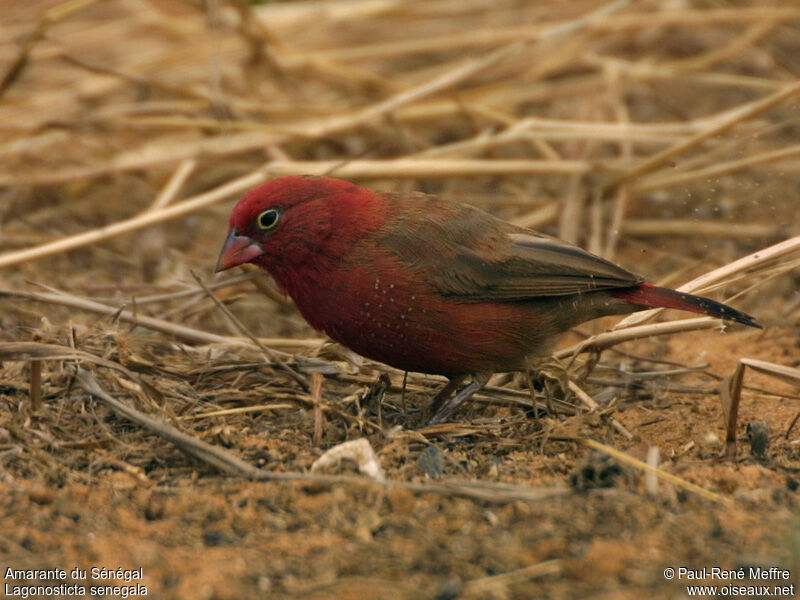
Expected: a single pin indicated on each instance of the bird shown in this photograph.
(428, 284)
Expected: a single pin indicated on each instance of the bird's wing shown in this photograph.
(470, 255)
(533, 266)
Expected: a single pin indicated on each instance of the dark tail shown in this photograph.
(658, 297)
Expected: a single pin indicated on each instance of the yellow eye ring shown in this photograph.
(268, 219)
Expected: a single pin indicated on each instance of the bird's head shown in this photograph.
(290, 220)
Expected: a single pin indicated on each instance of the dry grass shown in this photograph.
(660, 134)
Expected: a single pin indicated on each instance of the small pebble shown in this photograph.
(758, 434)
(431, 461)
(596, 470)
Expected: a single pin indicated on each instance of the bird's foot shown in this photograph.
(443, 394)
(478, 382)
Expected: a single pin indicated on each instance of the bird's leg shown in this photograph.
(479, 380)
(445, 393)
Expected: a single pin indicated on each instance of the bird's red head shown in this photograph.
(290, 220)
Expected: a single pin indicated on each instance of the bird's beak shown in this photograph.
(237, 250)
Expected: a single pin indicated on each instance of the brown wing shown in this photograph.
(535, 266)
(470, 255)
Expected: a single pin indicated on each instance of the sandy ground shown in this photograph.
(92, 133)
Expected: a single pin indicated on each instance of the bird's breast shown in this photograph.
(390, 314)
(388, 321)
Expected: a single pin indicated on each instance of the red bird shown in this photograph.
(431, 285)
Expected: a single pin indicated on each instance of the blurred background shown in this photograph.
(662, 135)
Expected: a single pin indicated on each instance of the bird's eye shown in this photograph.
(268, 219)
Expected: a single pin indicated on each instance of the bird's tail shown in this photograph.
(658, 297)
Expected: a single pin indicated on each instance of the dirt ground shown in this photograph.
(508, 500)
(94, 491)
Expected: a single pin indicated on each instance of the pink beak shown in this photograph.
(237, 250)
